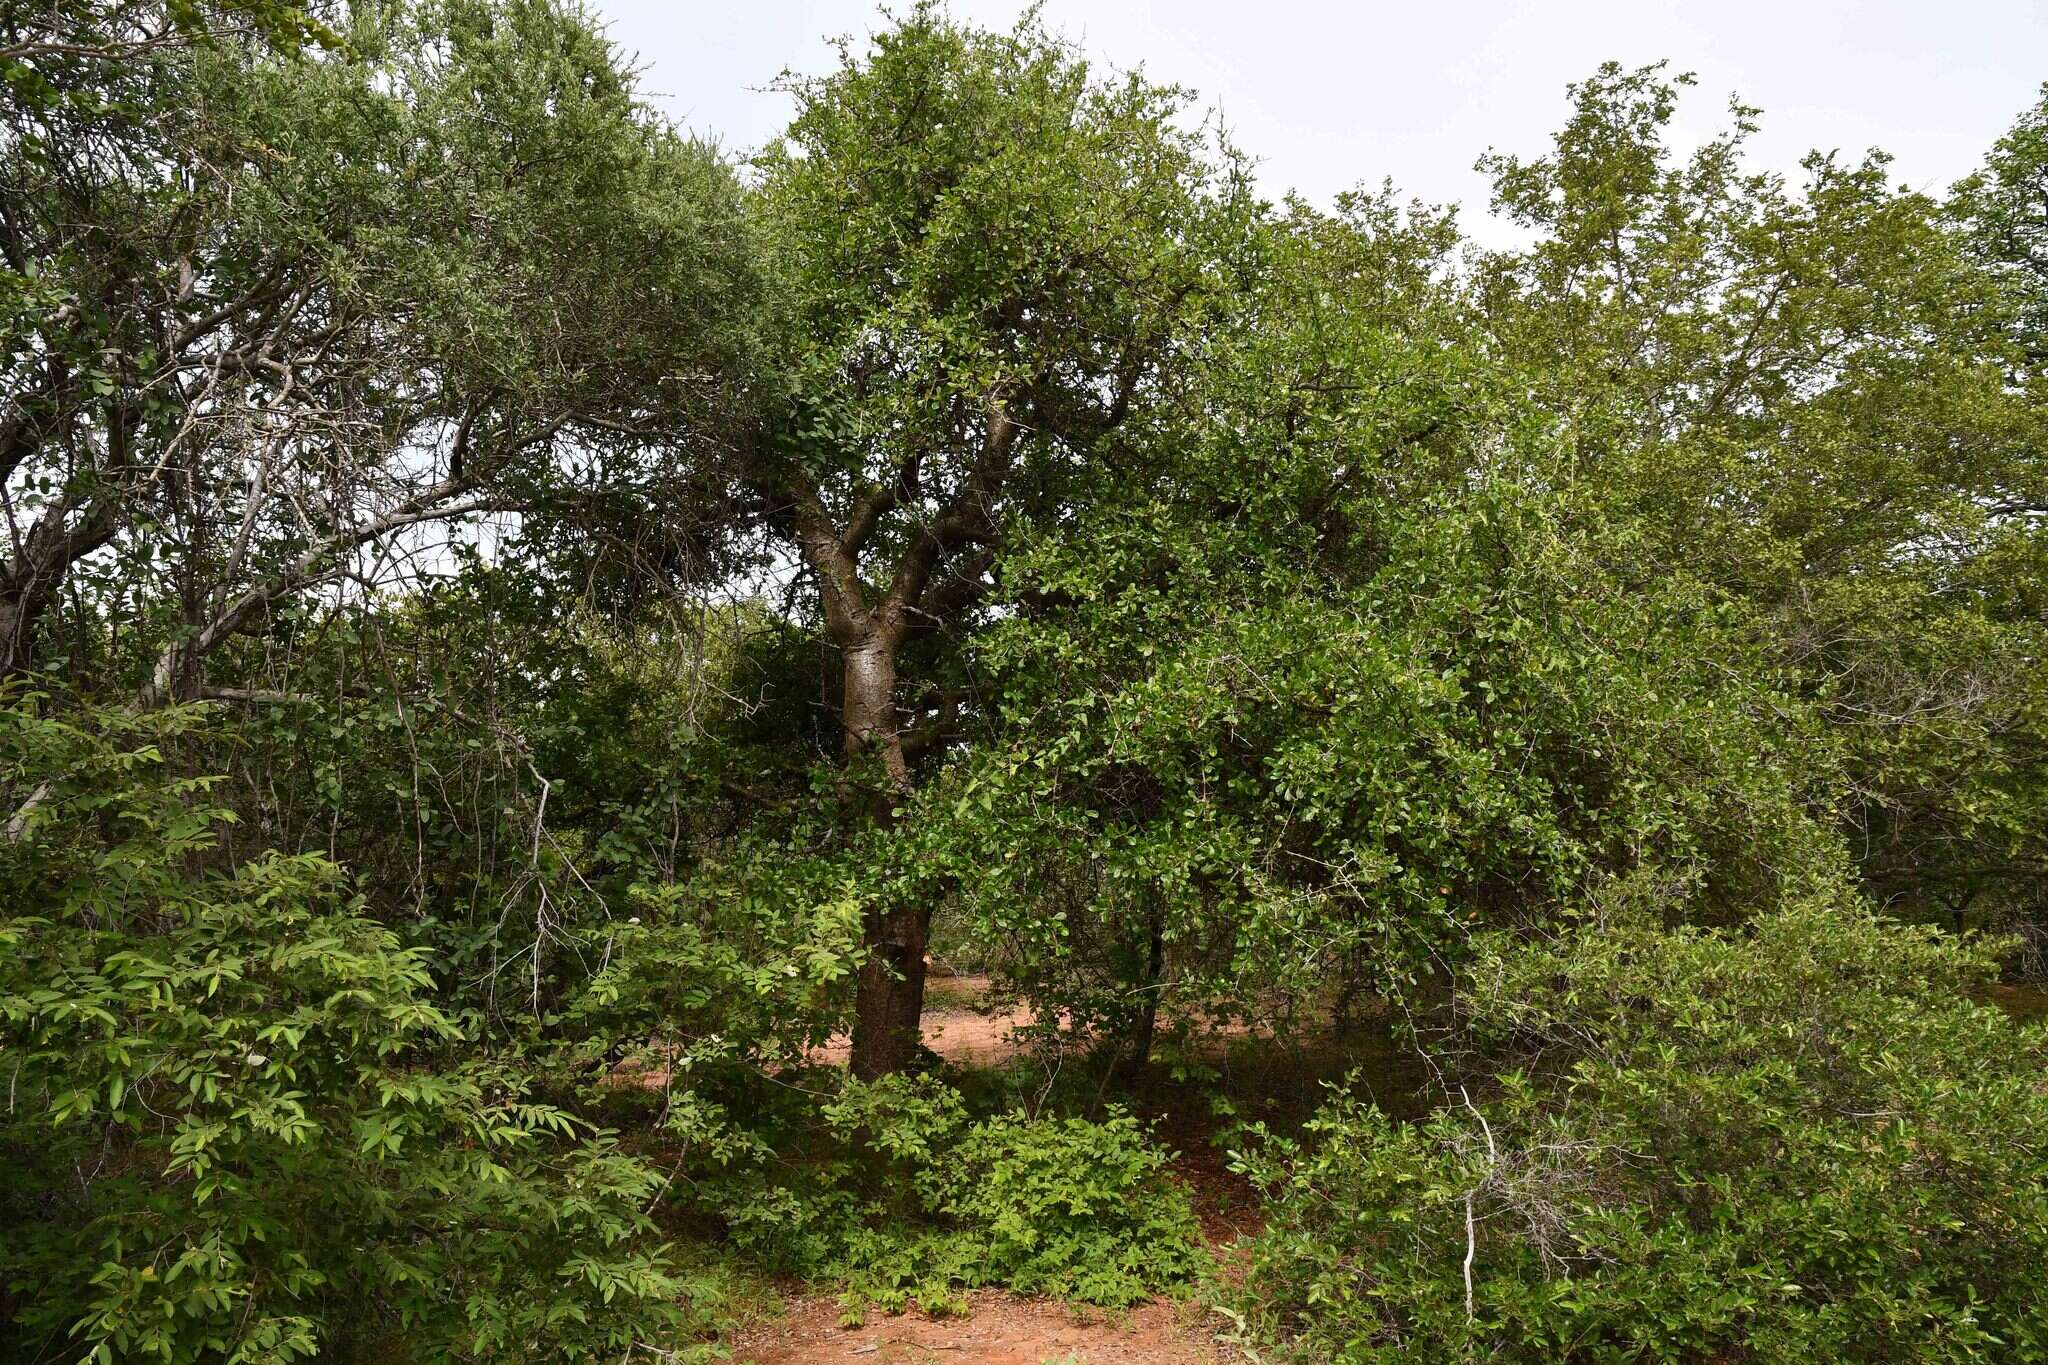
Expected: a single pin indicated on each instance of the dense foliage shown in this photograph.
(263, 1089)
(1802, 1140)
(930, 1201)
(521, 636)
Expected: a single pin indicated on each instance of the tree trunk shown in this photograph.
(1137, 1049)
(18, 613)
(888, 997)
(889, 992)
(174, 679)
(29, 582)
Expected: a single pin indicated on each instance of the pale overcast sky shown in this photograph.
(1327, 95)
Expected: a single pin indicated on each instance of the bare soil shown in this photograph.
(2021, 1002)
(998, 1329)
(953, 1026)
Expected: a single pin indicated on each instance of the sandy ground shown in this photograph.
(952, 1026)
(997, 1330)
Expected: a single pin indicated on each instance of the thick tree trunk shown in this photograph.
(29, 582)
(889, 992)
(870, 718)
(18, 614)
(888, 998)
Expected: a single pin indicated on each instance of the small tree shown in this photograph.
(984, 259)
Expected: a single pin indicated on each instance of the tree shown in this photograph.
(2004, 209)
(265, 314)
(1815, 400)
(985, 261)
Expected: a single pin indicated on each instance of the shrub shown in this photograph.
(918, 1200)
(234, 1134)
(1800, 1142)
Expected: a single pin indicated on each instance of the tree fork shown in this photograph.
(889, 991)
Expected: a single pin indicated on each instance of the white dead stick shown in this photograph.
(1471, 1220)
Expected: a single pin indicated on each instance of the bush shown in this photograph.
(1800, 1142)
(234, 1133)
(918, 1201)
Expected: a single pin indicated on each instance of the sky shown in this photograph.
(1330, 95)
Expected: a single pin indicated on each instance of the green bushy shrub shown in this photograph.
(918, 1200)
(237, 1130)
(1796, 1142)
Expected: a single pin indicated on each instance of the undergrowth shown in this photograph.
(916, 1200)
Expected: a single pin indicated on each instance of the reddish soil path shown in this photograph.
(998, 1330)
(952, 1026)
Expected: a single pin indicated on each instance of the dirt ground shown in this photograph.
(997, 1330)
(952, 1027)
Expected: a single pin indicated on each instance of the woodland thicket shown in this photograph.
(517, 625)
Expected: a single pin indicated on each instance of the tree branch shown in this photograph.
(968, 518)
